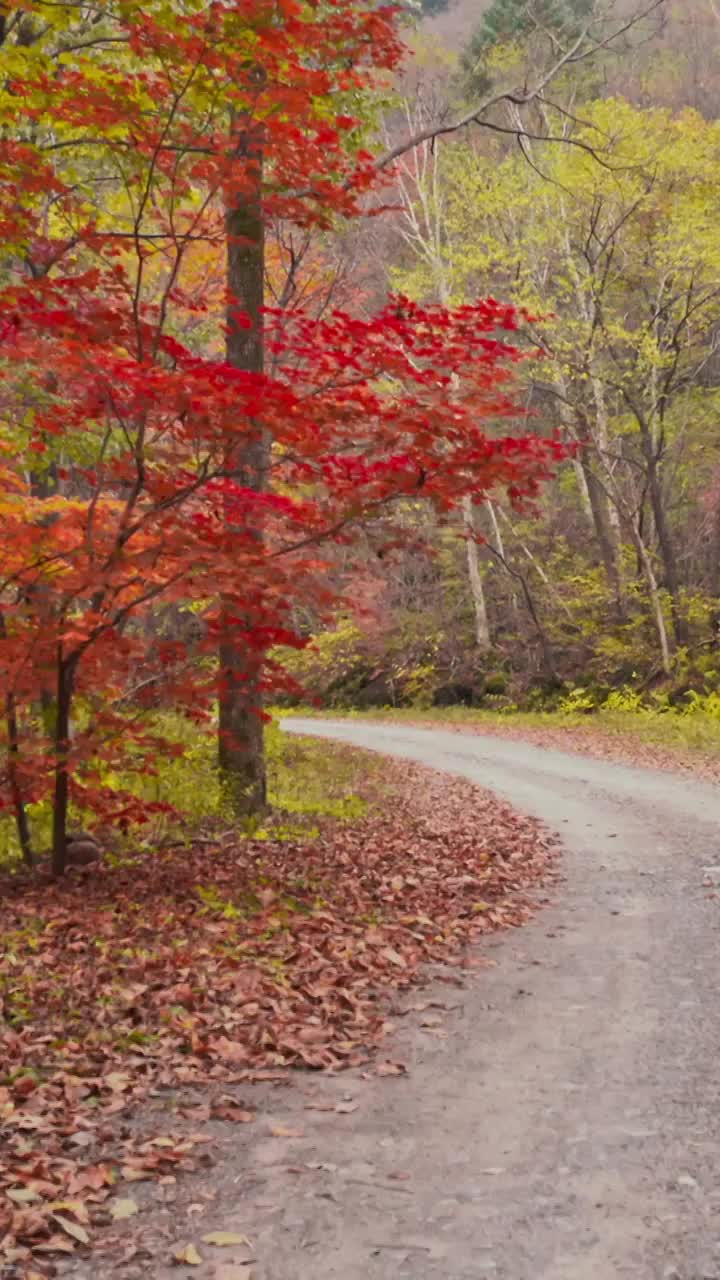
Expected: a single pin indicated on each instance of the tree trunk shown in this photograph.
(714, 574)
(13, 770)
(655, 600)
(477, 586)
(667, 553)
(16, 790)
(241, 753)
(63, 706)
(606, 534)
(499, 549)
(600, 512)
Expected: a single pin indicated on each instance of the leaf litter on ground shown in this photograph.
(218, 966)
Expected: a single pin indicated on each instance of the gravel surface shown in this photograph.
(559, 1118)
(566, 1126)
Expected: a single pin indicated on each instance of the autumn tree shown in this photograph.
(129, 466)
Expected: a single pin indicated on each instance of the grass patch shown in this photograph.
(694, 727)
(307, 780)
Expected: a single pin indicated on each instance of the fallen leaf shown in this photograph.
(76, 1207)
(196, 1113)
(223, 1238)
(55, 1244)
(22, 1195)
(72, 1228)
(230, 1050)
(283, 1131)
(278, 1009)
(187, 1254)
(235, 1115)
(117, 1081)
(83, 1139)
(346, 1108)
(123, 1208)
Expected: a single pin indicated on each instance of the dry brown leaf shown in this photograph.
(55, 1244)
(224, 1238)
(230, 1050)
(232, 1113)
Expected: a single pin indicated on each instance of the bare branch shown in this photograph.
(585, 46)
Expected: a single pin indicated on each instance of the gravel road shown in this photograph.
(564, 1125)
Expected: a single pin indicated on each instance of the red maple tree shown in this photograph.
(139, 474)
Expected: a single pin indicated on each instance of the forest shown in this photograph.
(593, 215)
(354, 357)
(351, 355)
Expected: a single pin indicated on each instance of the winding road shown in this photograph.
(568, 1127)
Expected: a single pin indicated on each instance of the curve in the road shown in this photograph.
(568, 1129)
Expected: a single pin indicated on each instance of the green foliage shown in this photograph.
(576, 700)
(332, 665)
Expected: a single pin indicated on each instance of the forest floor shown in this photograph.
(542, 1109)
(150, 1010)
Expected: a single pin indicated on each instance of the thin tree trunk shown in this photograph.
(477, 586)
(500, 549)
(63, 706)
(634, 520)
(714, 574)
(655, 600)
(241, 753)
(13, 770)
(667, 552)
(552, 590)
(606, 534)
(16, 791)
(548, 657)
(583, 490)
(602, 516)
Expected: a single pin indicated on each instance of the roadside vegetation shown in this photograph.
(359, 354)
(655, 732)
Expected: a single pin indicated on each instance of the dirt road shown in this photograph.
(565, 1125)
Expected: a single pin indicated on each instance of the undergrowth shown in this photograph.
(307, 780)
(693, 725)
